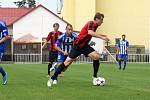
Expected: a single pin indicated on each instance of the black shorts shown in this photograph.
(77, 51)
(53, 56)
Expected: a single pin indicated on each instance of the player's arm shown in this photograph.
(5, 36)
(57, 46)
(101, 36)
(46, 41)
(127, 46)
(4, 39)
(118, 46)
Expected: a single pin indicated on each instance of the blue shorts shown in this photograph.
(123, 57)
(61, 57)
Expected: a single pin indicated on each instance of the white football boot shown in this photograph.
(94, 81)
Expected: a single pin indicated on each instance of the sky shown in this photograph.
(50, 4)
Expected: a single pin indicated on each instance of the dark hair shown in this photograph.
(123, 35)
(55, 24)
(98, 15)
(69, 25)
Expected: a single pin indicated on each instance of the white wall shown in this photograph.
(99, 46)
(39, 23)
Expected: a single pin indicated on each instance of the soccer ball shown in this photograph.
(100, 81)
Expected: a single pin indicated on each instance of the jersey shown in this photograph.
(65, 42)
(83, 37)
(122, 46)
(3, 33)
(52, 37)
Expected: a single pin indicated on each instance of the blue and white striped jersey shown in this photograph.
(3, 33)
(65, 42)
(122, 46)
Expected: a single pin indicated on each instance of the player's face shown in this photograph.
(69, 30)
(99, 21)
(56, 27)
(123, 37)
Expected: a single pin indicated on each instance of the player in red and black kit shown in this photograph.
(52, 37)
(81, 47)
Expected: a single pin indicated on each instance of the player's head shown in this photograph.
(123, 36)
(56, 26)
(69, 29)
(98, 18)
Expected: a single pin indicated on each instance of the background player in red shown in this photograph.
(81, 46)
(53, 53)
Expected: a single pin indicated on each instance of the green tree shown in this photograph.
(26, 4)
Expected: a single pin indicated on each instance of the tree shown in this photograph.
(31, 3)
(0, 5)
(26, 4)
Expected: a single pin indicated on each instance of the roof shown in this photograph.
(28, 38)
(12, 15)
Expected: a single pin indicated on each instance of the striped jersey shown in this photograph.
(65, 42)
(52, 37)
(84, 38)
(122, 46)
(3, 33)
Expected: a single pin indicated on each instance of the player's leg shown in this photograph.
(51, 60)
(119, 60)
(60, 59)
(4, 74)
(72, 56)
(125, 61)
(89, 51)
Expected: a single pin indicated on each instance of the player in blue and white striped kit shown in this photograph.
(3, 37)
(122, 51)
(64, 44)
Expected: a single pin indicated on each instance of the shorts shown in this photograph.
(61, 57)
(123, 57)
(77, 51)
(53, 56)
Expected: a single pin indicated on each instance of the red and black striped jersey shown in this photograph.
(52, 37)
(84, 38)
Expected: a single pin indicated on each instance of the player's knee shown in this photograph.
(68, 61)
(96, 57)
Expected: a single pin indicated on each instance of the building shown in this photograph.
(28, 27)
(130, 17)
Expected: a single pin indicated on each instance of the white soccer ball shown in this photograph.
(100, 81)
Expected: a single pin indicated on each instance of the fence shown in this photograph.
(37, 58)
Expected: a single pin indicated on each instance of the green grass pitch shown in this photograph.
(28, 82)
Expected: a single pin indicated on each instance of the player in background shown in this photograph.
(3, 38)
(53, 53)
(64, 44)
(122, 51)
(80, 46)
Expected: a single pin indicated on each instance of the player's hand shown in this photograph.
(105, 38)
(65, 53)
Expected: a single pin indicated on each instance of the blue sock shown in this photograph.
(119, 62)
(2, 71)
(125, 63)
(61, 67)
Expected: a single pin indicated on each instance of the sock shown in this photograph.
(119, 62)
(95, 67)
(61, 67)
(49, 66)
(54, 66)
(125, 63)
(2, 71)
